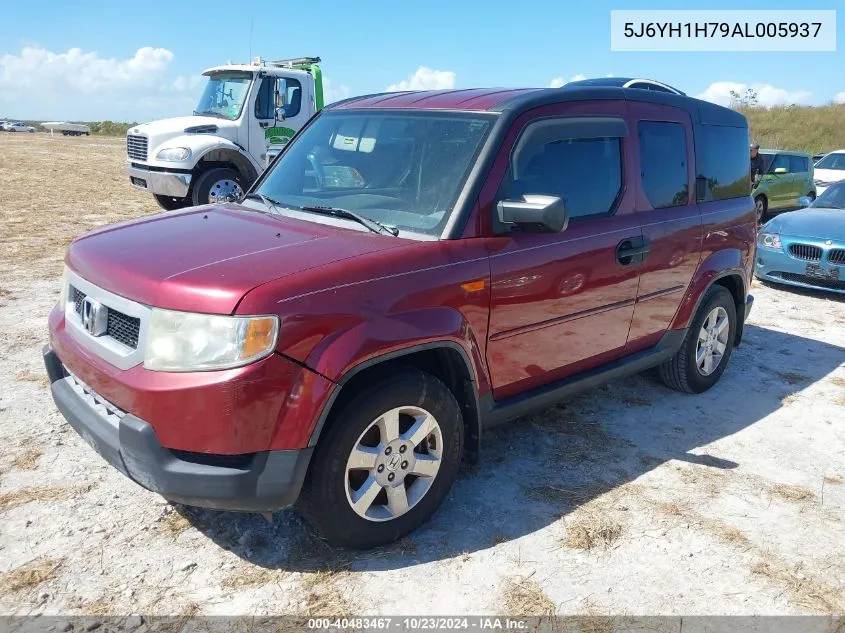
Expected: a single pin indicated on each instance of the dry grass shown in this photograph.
(802, 588)
(723, 531)
(790, 399)
(791, 493)
(15, 498)
(31, 574)
(809, 129)
(793, 377)
(40, 378)
(525, 598)
(636, 401)
(839, 400)
(246, 576)
(839, 381)
(172, 523)
(703, 479)
(28, 460)
(592, 528)
(832, 479)
(323, 595)
(38, 218)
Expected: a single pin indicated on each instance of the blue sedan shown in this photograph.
(806, 248)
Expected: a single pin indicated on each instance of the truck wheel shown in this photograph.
(707, 347)
(387, 463)
(761, 205)
(216, 185)
(169, 203)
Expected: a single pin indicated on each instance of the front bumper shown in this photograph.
(781, 268)
(258, 482)
(163, 183)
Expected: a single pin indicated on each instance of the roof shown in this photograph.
(249, 68)
(515, 100)
(791, 152)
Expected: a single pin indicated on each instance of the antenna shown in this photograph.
(251, 21)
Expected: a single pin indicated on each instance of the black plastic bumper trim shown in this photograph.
(269, 481)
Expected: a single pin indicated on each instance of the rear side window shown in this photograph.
(798, 164)
(723, 164)
(781, 161)
(663, 163)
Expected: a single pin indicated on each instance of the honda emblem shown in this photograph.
(94, 317)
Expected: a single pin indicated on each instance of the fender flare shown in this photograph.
(390, 356)
(230, 153)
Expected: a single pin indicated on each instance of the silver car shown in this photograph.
(806, 248)
(18, 126)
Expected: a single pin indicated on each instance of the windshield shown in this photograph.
(832, 198)
(832, 161)
(224, 94)
(404, 170)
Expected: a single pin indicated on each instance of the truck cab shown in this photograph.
(245, 116)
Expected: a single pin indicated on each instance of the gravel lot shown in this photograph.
(631, 499)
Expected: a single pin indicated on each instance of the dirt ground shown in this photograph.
(631, 499)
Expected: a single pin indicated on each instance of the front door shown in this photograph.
(779, 184)
(269, 133)
(562, 302)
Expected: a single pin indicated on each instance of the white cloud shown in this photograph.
(76, 84)
(557, 82)
(426, 79)
(332, 93)
(839, 98)
(767, 95)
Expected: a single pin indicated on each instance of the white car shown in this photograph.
(830, 169)
(18, 126)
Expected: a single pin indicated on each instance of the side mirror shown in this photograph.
(780, 170)
(535, 213)
(804, 201)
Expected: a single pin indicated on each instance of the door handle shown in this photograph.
(264, 124)
(632, 250)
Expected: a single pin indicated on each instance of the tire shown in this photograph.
(682, 372)
(169, 203)
(326, 500)
(208, 185)
(762, 206)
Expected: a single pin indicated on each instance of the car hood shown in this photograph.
(206, 259)
(160, 131)
(828, 224)
(828, 175)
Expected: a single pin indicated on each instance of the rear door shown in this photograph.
(669, 215)
(562, 302)
(802, 178)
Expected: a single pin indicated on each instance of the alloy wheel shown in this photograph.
(712, 341)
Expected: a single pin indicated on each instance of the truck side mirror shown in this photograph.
(545, 214)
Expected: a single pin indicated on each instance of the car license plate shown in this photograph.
(816, 271)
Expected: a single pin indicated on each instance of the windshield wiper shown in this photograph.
(374, 225)
(267, 200)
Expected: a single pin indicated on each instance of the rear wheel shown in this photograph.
(169, 203)
(705, 352)
(218, 185)
(761, 205)
(386, 463)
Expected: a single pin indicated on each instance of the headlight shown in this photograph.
(185, 341)
(769, 240)
(63, 290)
(174, 153)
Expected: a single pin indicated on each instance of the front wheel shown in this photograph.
(386, 463)
(707, 347)
(761, 206)
(218, 185)
(169, 203)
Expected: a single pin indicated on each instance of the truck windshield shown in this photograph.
(403, 170)
(224, 94)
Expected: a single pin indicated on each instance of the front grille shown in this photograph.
(831, 284)
(121, 327)
(836, 256)
(807, 252)
(136, 147)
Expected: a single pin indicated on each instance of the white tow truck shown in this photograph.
(247, 113)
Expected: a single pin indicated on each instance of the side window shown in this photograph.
(293, 96)
(781, 160)
(578, 162)
(663, 163)
(264, 99)
(798, 165)
(722, 162)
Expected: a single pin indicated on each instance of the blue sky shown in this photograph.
(366, 47)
